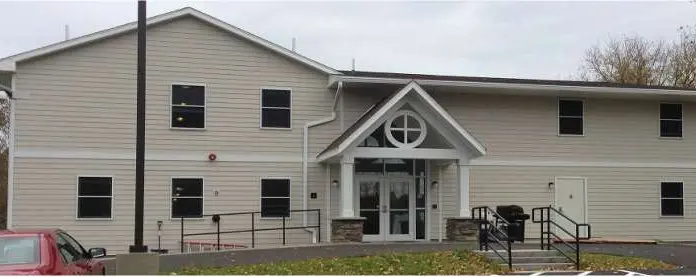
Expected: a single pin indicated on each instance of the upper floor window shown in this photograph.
(275, 197)
(275, 108)
(672, 199)
(671, 120)
(188, 107)
(94, 197)
(187, 197)
(570, 117)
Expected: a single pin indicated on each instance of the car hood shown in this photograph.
(19, 269)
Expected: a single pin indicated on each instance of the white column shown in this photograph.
(464, 188)
(347, 185)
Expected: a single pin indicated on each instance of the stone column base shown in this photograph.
(347, 229)
(462, 229)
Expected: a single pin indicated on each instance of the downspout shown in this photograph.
(305, 159)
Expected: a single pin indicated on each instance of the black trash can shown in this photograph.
(517, 218)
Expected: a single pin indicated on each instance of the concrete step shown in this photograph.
(522, 253)
(542, 266)
(537, 260)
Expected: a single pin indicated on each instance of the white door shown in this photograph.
(388, 206)
(571, 200)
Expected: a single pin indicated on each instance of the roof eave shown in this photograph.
(519, 86)
(9, 63)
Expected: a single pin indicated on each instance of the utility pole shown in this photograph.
(140, 133)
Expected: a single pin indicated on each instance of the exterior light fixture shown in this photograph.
(334, 183)
(434, 184)
(551, 184)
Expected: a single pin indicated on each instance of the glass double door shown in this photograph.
(388, 206)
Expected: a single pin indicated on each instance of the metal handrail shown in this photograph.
(217, 219)
(482, 212)
(545, 236)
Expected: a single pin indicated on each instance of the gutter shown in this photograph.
(522, 88)
(305, 159)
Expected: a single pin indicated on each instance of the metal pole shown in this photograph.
(218, 235)
(318, 226)
(253, 232)
(140, 132)
(541, 229)
(509, 244)
(283, 229)
(577, 247)
(182, 234)
(548, 230)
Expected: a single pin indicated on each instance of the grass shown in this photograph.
(420, 263)
(597, 262)
(423, 263)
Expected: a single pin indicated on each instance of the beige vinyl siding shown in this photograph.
(52, 183)
(525, 127)
(92, 88)
(622, 202)
(449, 188)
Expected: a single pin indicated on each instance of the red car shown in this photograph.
(46, 252)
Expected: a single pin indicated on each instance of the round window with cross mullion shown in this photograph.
(405, 129)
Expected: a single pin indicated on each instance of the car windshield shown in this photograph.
(19, 250)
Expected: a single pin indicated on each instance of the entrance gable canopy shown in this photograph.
(374, 116)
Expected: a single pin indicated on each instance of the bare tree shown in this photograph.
(682, 62)
(636, 60)
(627, 60)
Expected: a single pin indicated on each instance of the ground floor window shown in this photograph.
(672, 199)
(275, 197)
(94, 197)
(187, 197)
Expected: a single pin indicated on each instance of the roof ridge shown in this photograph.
(9, 63)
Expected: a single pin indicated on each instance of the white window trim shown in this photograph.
(261, 197)
(672, 180)
(171, 197)
(659, 122)
(278, 108)
(77, 199)
(558, 116)
(205, 105)
(423, 130)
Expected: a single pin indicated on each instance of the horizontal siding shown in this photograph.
(525, 127)
(622, 202)
(90, 88)
(45, 196)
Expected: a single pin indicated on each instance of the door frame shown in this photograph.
(411, 236)
(356, 201)
(584, 188)
(384, 223)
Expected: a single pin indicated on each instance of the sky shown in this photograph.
(514, 39)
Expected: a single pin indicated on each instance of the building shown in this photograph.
(236, 123)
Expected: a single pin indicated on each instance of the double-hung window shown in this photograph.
(275, 198)
(671, 120)
(94, 197)
(188, 107)
(187, 197)
(672, 199)
(275, 108)
(570, 117)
